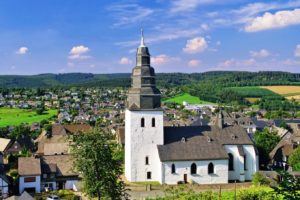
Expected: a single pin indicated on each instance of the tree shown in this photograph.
(265, 141)
(95, 158)
(294, 159)
(289, 187)
(20, 131)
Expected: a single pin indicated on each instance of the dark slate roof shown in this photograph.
(260, 124)
(200, 142)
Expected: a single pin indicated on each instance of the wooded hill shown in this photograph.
(221, 78)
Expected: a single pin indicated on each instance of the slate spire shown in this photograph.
(143, 94)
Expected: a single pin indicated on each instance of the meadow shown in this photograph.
(16, 116)
(187, 98)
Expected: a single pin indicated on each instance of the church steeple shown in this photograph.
(143, 94)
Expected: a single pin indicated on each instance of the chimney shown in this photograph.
(220, 120)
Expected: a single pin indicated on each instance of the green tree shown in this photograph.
(294, 159)
(265, 141)
(94, 155)
(289, 187)
(19, 131)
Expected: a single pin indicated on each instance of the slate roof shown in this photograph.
(29, 166)
(200, 142)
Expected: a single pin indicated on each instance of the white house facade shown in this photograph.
(170, 155)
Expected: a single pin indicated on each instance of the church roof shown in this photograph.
(200, 142)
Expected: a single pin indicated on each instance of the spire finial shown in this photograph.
(142, 38)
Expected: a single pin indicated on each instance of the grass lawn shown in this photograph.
(16, 116)
(186, 97)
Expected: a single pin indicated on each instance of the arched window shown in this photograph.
(153, 122)
(231, 162)
(193, 168)
(211, 168)
(173, 169)
(143, 122)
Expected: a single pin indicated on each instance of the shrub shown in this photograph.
(259, 179)
(255, 193)
(294, 159)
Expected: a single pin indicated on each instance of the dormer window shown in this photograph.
(143, 122)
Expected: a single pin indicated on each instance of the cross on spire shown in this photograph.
(142, 39)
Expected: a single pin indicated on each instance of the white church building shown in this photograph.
(170, 155)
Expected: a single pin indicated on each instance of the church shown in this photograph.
(189, 154)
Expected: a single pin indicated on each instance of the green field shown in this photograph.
(253, 91)
(186, 97)
(15, 116)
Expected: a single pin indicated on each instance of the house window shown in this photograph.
(44, 175)
(148, 175)
(173, 169)
(147, 160)
(231, 162)
(245, 162)
(211, 168)
(143, 122)
(193, 168)
(153, 122)
(29, 179)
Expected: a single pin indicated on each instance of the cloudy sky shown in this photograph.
(101, 36)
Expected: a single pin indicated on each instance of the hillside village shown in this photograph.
(36, 157)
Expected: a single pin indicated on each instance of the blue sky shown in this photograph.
(101, 36)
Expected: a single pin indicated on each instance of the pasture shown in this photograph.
(16, 116)
(187, 98)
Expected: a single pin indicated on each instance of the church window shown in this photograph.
(153, 122)
(193, 168)
(245, 162)
(173, 169)
(148, 175)
(231, 162)
(211, 168)
(143, 122)
(147, 160)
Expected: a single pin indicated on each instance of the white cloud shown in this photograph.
(124, 61)
(129, 13)
(79, 52)
(194, 63)
(297, 51)
(22, 51)
(188, 5)
(195, 45)
(163, 59)
(271, 21)
(260, 54)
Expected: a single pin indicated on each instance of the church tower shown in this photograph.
(143, 121)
